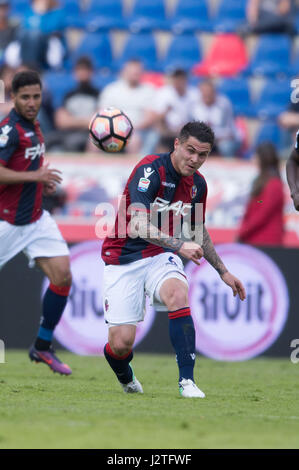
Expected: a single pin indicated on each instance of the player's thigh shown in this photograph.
(124, 296)
(121, 338)
(12, 241)
(57, 269)
(47, 243)
(167, 271)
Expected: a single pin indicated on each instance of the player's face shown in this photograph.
(27, 101)
(188, 156)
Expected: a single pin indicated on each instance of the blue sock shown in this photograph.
(120, 364)
(182, 336)
(54, 303)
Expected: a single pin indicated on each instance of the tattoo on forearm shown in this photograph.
(143, 228)
(210, 253)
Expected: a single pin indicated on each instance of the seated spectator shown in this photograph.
(216, 110)
(270, 16)
(172, 107)
(262, 223)
(134, 98)
(6, 76)
(40, 41)
(72, 119)
(8, 27)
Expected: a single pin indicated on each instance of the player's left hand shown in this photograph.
(49, 188)
(235, 284)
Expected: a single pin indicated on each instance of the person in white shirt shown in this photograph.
(173, 105)
(216, 111)
(134, 98)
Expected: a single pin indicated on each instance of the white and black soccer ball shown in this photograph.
(110, 129)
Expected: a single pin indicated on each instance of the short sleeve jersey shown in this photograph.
(22, 148)
(154, 186)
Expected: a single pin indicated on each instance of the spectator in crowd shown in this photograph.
(216, 110)
(172, 107)
(40, 42)
(270, 16)
(134, 97)
(6, 104)
(262, 223)
(73, 117)
(8, 27)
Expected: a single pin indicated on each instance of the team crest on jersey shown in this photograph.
(4, 136)
(193, 191)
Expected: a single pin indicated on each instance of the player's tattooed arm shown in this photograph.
(141, 226)
(211, 255)
(292, 170)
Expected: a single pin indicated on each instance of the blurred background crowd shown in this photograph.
(230, 63)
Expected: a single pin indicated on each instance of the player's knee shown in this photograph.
(177, 298)
(121, 347)
(62, 277)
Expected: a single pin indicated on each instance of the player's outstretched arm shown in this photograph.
(292, 170)
(141, 226)
(214, 259)
(42, 175)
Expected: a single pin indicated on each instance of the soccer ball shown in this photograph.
(110, 129)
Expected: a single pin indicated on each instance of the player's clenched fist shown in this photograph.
(192, 251)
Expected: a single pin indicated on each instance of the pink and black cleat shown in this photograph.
(48, 357)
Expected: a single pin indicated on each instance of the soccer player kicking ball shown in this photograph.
(24, 225)
(292, 169)
(144, 259)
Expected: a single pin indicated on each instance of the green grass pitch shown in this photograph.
(252, 404)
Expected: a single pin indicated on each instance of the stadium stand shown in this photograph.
(183, 52)
(105, 15)
(148, 15)
(97, 46)
(274, 98)
(231, 14)
(142, 46)
(191, 16)
(238, 91)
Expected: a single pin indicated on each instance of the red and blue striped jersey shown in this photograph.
(156, 187)
(21, 149)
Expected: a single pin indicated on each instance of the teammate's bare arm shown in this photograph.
(142, 227)
(292, 170)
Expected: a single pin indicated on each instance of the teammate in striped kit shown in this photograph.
(141, 254)
(24, 226)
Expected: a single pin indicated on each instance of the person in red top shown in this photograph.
(24, 225)
(262, 223)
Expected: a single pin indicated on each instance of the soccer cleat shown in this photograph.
(48, 357)
(188, 389)
(132, 387)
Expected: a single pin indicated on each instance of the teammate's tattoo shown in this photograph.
(211, 255)
(142, 227)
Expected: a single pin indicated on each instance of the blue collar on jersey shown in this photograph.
(175, 175)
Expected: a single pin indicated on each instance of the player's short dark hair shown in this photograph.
(198, 129)
(178, 73)
(25, 78)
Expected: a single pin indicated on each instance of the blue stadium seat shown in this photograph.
(148, 15)
(272, 56)
(238, 91)
(230, 15)
(274, 99)
(105, 15)
(73, 13)
(190, 16)
(58, 83)
(141, 46)
(269, 131)
(183, 52)
(96, 46)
